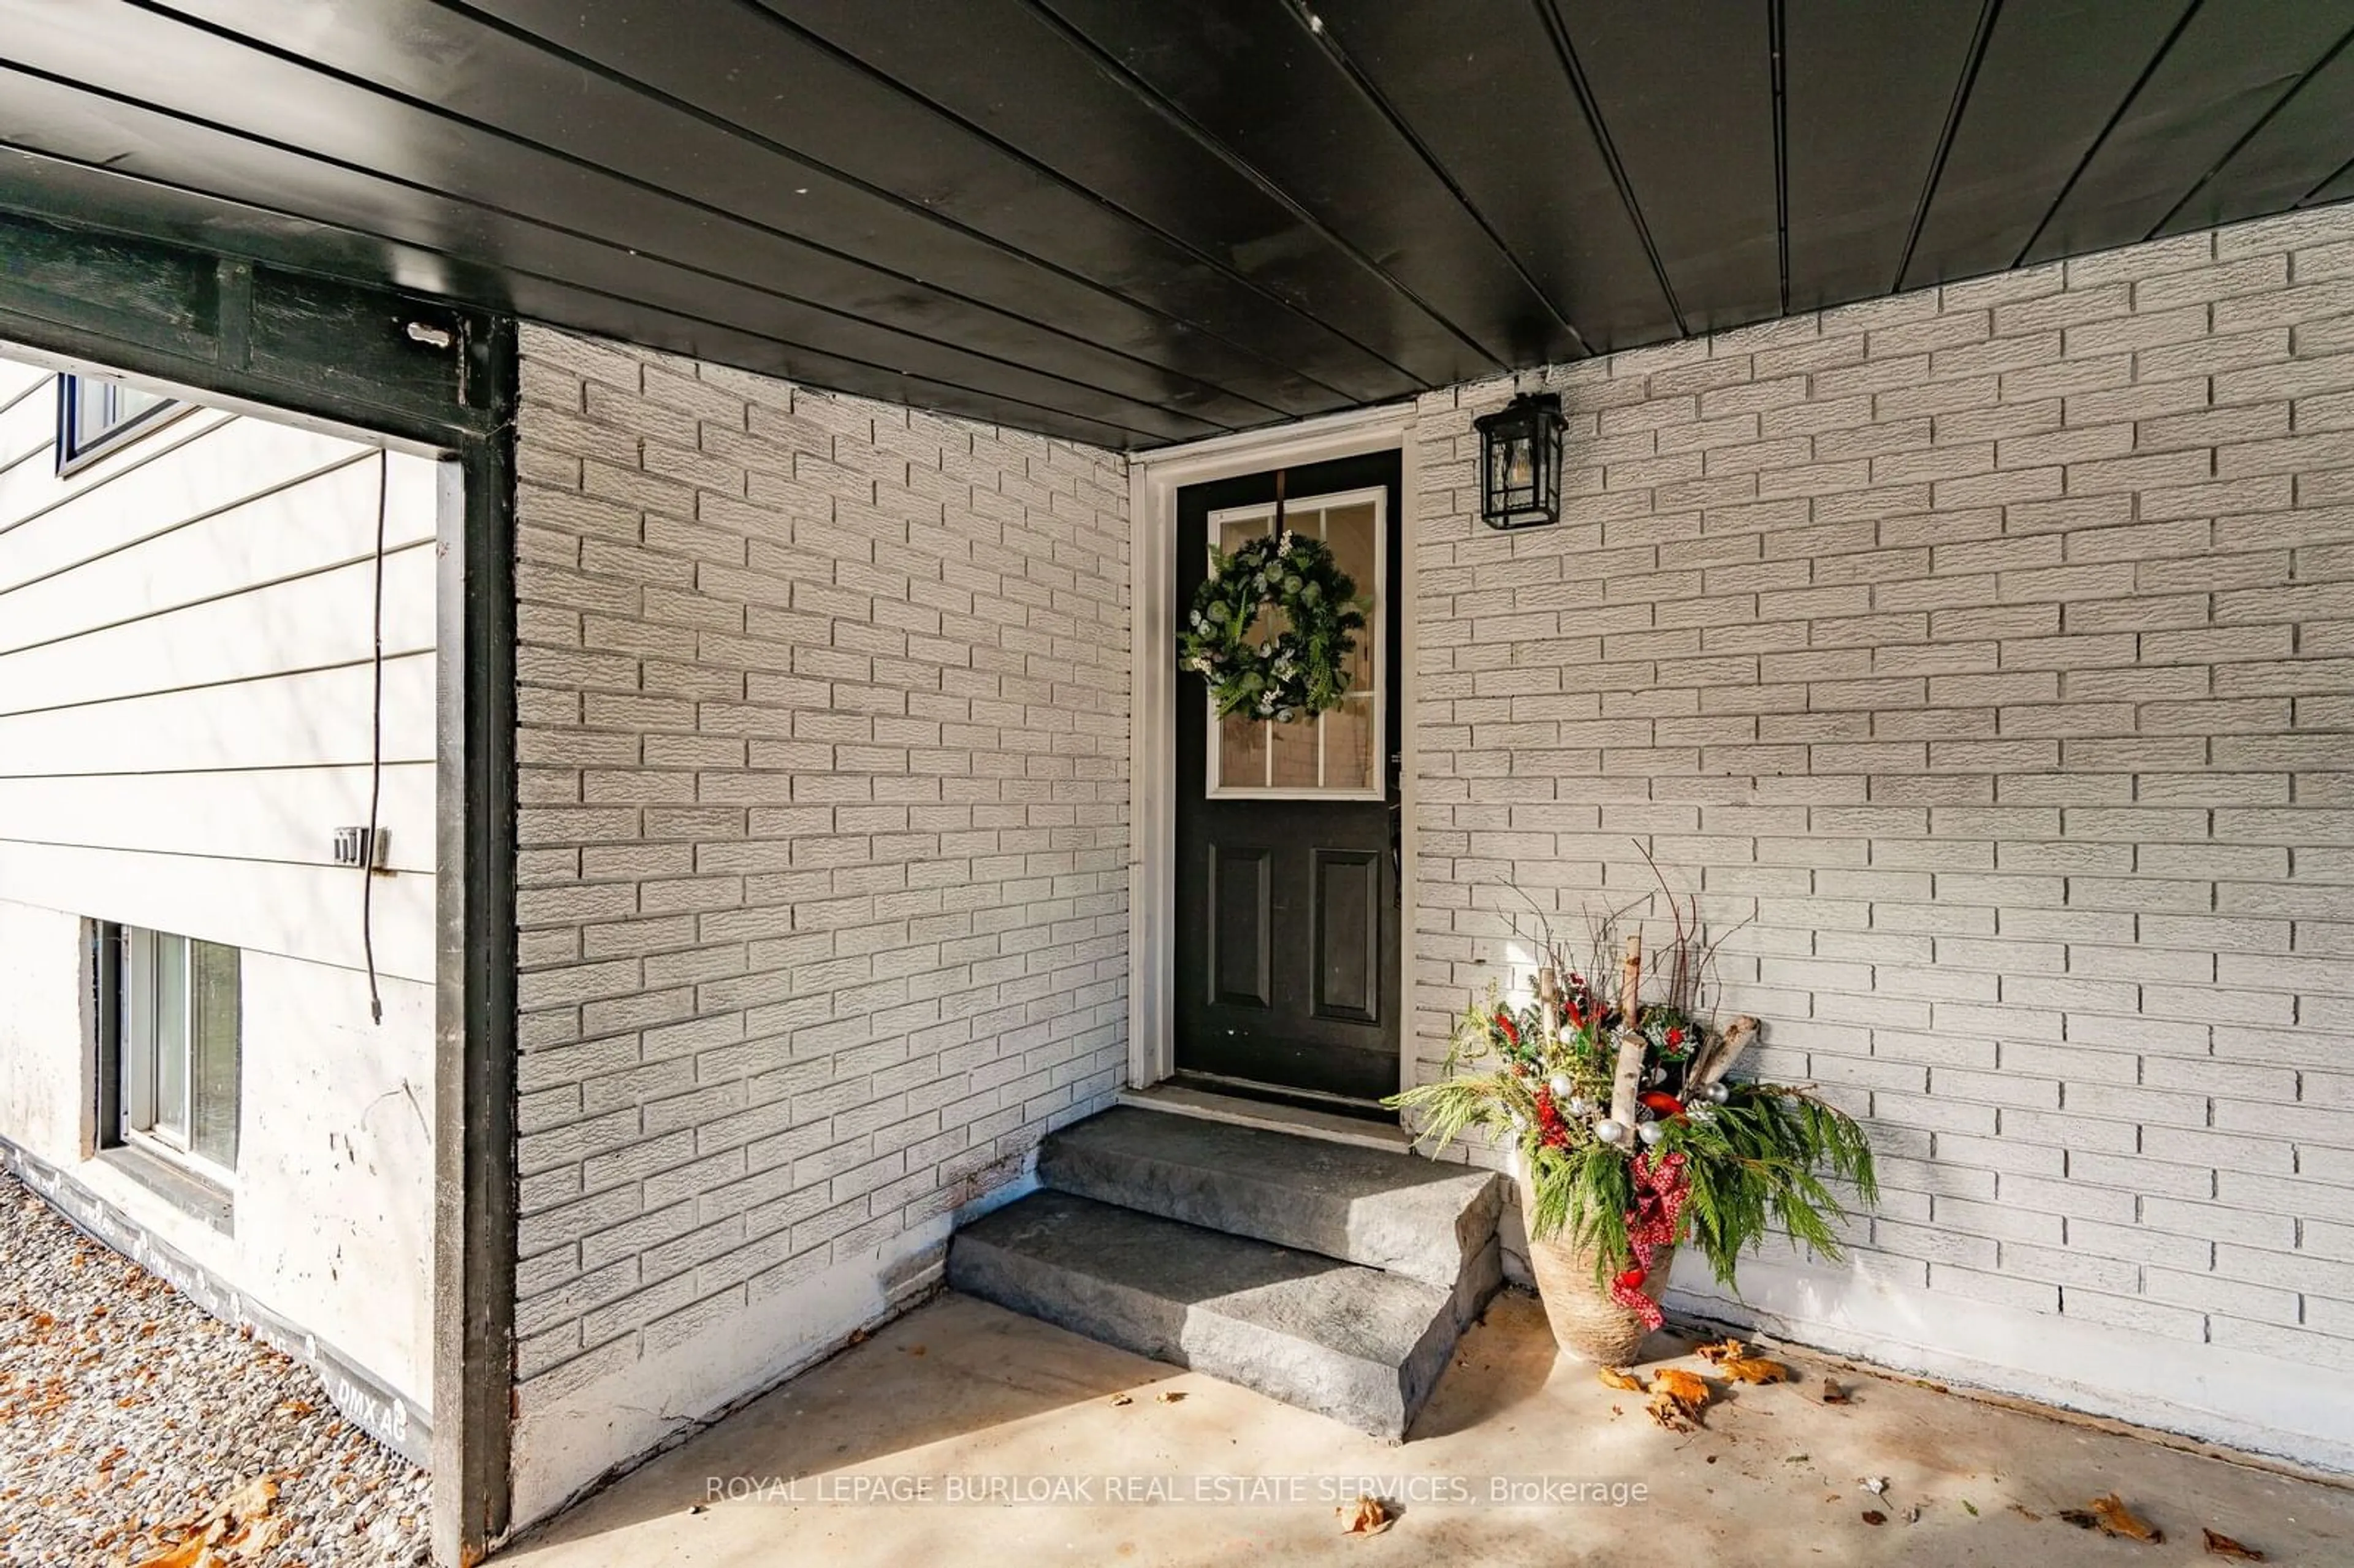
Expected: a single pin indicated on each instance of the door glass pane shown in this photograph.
(171, 993)
(1242, 753)
(214, 1050)
(1293, 754)
(1348, 745)
(1352, 532)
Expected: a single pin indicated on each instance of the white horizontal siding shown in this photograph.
(311, 525)
(186, 685)
(230, 815)
(303, 624)
(262, 906)
(277, 721)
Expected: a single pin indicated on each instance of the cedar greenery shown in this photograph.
(1758, 1157)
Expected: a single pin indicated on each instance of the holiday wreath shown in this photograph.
(1300, 671)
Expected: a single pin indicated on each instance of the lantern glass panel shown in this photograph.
(1520, 455)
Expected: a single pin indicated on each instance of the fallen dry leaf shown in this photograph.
(1123, 1399)
(1678, 1398)
(183, 1553)
(2222, 1546)
(1366, 1516)
(1873, 1516)
(1170, 1397)
(1613, 1378)
(1834, 1394)
(1752, 1368)
(238, 1529)
(2118, 1520)
(255, 1541)
(2109, 1515)
(1723, 1350)
(252, 1499)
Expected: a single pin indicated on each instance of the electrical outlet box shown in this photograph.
(359, 846)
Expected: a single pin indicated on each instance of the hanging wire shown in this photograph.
(376, 747)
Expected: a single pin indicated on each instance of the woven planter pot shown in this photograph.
(1586, 1323)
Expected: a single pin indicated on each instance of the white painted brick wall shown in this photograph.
(1990, 650)
(824, 842)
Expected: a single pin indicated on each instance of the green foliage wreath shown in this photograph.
(1301, 671)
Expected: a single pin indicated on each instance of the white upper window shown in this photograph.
(96, 415)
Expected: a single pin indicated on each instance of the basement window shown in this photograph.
(96, 415)
(169, 1028)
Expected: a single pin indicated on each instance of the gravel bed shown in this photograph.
(127, 1414)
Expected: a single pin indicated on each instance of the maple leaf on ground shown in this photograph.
(1613, 1378)
(1721, 1350)
(1366, 1516)
(1752, 1368)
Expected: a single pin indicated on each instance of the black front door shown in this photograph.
(1287, 833)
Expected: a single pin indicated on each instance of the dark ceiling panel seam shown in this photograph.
(1566, 53)
(1091, 394)
(1313, 25)
(932, 215)
(1778, 38)
(2250, 135)
(2339, 173)
(1987, 15)
(2149, 70)
(977, 396)
(1201, 135)
(1047, 172)
(477, 127)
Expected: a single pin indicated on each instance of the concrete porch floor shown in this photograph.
(961, 1389)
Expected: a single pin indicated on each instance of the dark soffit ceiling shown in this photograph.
(1138, 221)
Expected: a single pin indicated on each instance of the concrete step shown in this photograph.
(1398, 1213)
(1351, 1342)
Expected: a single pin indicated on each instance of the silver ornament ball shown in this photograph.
(1559, 1085)
(1650, 1132)
(1609, 1131)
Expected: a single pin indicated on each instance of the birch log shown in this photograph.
(1628, 1082)
(1736, 1037)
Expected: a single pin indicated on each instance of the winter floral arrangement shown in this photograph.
(1632, 1137)
(1302, 670)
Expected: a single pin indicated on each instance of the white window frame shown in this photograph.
(1376, 625)
(147, 1024)
(77, 392)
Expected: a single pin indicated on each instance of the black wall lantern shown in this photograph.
(1519, 462)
